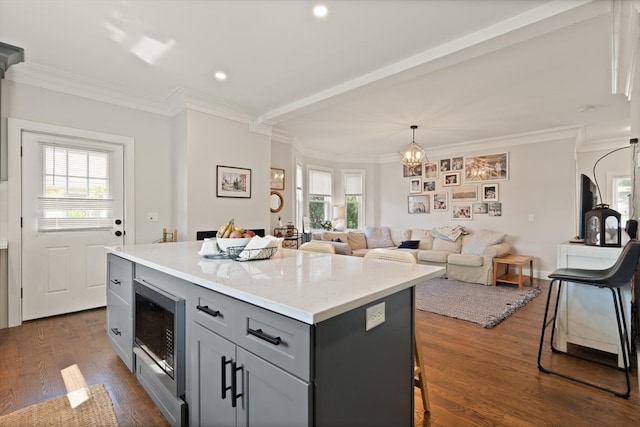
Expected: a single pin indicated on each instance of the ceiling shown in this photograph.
(346, 86)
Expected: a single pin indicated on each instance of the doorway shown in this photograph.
(68, 194)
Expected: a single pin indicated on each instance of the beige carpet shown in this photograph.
(485, 305)
(97, 411)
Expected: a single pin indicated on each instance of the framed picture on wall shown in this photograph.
(491, 167)
(457, 163)
(495, 209)
(430, 170)
(464, 193)
(415, 185)
(480, 208)
(233, 182)
(489, 192)
(411, 171)
(418, 204)
(450, 179)
(462, 211)
(428, 186)
(440, 202)
(277, 179)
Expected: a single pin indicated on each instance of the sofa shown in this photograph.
(465, 254)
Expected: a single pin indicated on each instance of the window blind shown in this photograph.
(75, 189)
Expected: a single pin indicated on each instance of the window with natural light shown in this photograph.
(353, 185)
(299, 196)
(319, 197)
(75, 189)
(621, 190)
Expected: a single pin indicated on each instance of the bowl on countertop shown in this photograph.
(228, 242)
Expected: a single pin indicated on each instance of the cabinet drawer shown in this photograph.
(120, 277)
(120, 328)
(280, 340)
(214, 311)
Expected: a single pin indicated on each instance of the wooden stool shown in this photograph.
(420, 379)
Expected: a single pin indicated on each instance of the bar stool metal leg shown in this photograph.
(622, 333)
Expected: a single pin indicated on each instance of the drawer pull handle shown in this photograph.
(116, 331)
(116, 282)
(259, 334)
(206, 309)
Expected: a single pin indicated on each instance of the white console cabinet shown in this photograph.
(586, 316)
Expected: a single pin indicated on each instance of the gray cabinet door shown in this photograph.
(207, 406)
(271, 396)
(119, 308)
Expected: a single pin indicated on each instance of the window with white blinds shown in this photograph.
(319, 197)
(319, 182)
(75, 189)
(354, 199)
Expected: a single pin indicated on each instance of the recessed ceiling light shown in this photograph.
(220, 75)
(320, 11)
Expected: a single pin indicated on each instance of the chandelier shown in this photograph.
(413, 155)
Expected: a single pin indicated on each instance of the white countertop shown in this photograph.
(310, 287)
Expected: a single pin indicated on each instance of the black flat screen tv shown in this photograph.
(587, 201)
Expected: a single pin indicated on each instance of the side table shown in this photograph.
(291, 236)
(510, 260)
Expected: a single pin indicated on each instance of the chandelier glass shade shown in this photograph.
(413, 155)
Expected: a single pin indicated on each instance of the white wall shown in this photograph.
(618, 162)
(283, 157)
(213, 141)
(541, 183)
(151, 132)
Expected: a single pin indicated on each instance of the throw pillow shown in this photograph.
(378, 237)
(481, 241)
(447, 245)
(330, 235)
(425, 237)
(357, 240)
(409, 244)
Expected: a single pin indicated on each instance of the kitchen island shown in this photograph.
(299, 339)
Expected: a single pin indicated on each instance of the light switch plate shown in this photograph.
(374, 316)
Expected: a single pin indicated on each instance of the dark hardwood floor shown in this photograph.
(476, 376)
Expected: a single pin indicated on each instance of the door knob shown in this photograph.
(118, 221)
(118, 233)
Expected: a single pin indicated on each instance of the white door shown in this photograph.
(72, 206)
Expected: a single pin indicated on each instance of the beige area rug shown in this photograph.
(485, 305)
(97, 411)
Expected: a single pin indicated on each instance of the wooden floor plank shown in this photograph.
(476, 376)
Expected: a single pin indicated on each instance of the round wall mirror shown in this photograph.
(276, 201)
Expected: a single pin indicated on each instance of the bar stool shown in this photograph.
(612, 278)
(419, 374)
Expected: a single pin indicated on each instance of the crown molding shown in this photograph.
(175, 102)
(61, 81)
(566, 133)
(604, 144)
